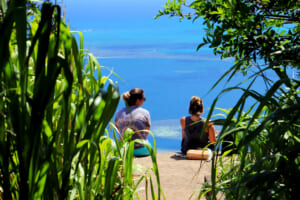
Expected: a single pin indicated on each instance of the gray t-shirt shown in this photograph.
(137, 118)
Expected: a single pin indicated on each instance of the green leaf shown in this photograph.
(47, 128)
(110, 179)
(82, 143)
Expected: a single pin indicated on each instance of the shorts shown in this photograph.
(140, 152)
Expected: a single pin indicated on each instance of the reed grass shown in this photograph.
(262, 156)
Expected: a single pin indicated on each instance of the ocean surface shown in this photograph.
(158, 56)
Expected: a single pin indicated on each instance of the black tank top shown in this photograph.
(195, 137)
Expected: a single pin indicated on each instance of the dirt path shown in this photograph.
(180, 178)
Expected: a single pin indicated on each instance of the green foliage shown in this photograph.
(54, 113)
(263, 38)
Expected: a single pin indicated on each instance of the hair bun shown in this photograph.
(131, 96)
(196, 105)
(126, 96)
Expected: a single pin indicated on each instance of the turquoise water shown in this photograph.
(157, 55)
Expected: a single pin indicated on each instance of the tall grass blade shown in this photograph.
(111, 174)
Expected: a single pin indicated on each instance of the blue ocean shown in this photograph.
(158, 55)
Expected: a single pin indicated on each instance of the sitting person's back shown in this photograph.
(194, 135)
(136, 118)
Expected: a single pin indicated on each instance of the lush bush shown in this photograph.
(263, 38)
(55, 108)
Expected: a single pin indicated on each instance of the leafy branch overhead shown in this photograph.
(248, 30)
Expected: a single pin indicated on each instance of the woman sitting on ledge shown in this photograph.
(194, 136)
(136, 118)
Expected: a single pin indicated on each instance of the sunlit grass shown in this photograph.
(54, 113)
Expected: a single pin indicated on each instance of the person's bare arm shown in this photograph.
(182, 123)
(211, 133)
(146, 132)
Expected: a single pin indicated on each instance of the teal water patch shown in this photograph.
(170, 129)
(164, 144)
(166, 128)
(167, 135)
